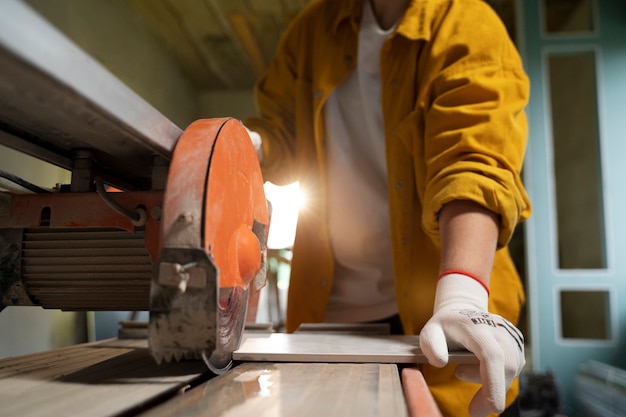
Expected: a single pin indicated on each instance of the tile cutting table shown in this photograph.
(118, 377)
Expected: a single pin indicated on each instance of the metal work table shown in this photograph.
(118, 378)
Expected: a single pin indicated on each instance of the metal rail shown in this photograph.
(55, 99)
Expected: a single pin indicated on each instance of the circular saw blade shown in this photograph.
(230, 325)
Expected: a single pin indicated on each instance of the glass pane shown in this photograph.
(566, 16)
(577, 164)
(590, 322)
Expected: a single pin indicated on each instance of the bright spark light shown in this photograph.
(286, 203)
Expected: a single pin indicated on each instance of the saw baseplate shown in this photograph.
(214, 233)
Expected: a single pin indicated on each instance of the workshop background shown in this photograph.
(195, 59)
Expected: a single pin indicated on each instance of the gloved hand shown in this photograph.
(256, 141)
(461, 320)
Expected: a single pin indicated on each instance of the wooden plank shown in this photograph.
(293, 389)
(361, 348)
(97, 379)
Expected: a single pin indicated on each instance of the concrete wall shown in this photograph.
(111, 33)
(238, 104)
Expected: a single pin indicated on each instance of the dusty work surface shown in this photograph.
(110, 378)
(316, 347)
(294, 389)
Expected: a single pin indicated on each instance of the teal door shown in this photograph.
(575, 172)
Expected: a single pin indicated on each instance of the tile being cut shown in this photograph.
(294, 389)
(337, 348)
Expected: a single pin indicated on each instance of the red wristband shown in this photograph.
(467, 274)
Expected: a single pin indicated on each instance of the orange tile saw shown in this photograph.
(186, 237)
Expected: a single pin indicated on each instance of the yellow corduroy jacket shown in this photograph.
(453, 98)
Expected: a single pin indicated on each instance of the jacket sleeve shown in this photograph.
(275, 102)
(475, 125)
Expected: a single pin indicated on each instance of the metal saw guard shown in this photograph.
(214, 232)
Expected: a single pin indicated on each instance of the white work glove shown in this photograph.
(256, 142)
(461, 320)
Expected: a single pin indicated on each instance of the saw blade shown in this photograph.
(214, 225)
(232, 306)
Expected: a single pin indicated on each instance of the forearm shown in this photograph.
(469, 235)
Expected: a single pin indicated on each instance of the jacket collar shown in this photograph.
(348, 10)
(414, 25)
(417, 20)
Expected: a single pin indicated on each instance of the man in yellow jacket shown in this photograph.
(403, 120)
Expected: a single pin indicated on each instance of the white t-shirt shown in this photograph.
(358, 204)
